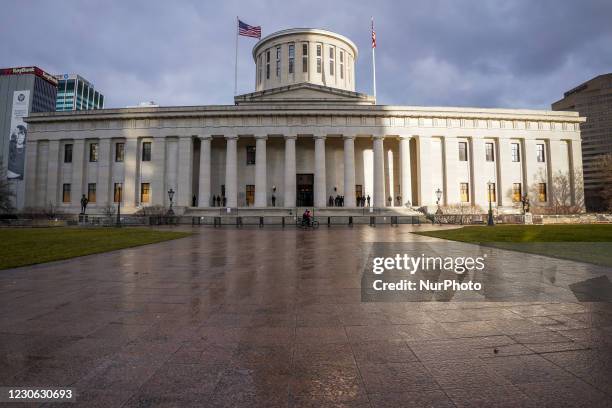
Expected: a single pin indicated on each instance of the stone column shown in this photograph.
(556, 164)
(320, 188)
(531, 177)
(478, 176)
(349, 171)
(261, 163)
(53, 171)
(452, 193)
(379, 172)
(205, 157)
(130, 170)
(29, 177)
(577, 181)
(78, 170)
(504, 165)
(104, 168)
(158, 181)
(231, 170)
(405, 170)
(185, 172)
(290, 172)
(424, 169)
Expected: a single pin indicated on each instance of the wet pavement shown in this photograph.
(271, 317)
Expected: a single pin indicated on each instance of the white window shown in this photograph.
(291, 54)
(490, 152)
(463, 153)
(341, 64)
(541, 156)
(305, 57)
(278, 61)
(319, 52)
(332, 61)
(259, 69)
(516, 152)
(268, 64)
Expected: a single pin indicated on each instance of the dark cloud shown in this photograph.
(492, 53)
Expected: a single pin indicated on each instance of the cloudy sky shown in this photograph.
(488, 53)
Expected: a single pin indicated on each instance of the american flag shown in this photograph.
(373, 35)
(249, 31)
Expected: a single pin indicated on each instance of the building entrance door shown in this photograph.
(305, 190)
(250, 195)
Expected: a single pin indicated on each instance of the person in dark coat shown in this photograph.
(330, 202)
(218, 201)
(84, 202)
(224, 201)
(368, 200)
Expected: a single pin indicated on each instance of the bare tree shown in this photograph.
(6, 193)
(604, 167)
(565, 193)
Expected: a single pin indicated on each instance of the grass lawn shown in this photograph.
(27, 246)
(585, 243)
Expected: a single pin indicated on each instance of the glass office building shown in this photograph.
(76, 93)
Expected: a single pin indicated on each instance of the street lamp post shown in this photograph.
(439, 210)
(490, 221)
(170, 197)
(119, 207)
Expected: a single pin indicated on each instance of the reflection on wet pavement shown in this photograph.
(271, 317)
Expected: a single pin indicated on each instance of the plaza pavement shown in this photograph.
(271, 317)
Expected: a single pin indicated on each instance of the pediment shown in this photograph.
(305, 93)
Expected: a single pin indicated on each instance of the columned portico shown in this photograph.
(379, 171)
(261, 178)
(290, 171)
(231, 170)
(320, 186)
(349, 171)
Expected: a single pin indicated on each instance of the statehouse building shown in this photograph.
(303, 135)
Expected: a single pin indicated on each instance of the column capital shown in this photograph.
(261, 137)
(205, 137)
(231, 137)
(349, 137)
(323, 137)
(287, 137)
(381, 137)
(405, 137)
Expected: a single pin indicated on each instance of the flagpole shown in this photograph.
(236, 60)
(373, 63)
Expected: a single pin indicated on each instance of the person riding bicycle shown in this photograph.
(307, 218)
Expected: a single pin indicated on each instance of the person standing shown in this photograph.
(84, 202)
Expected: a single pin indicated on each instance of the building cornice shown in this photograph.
(320, 109)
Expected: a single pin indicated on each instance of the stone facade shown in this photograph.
(298, 144)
